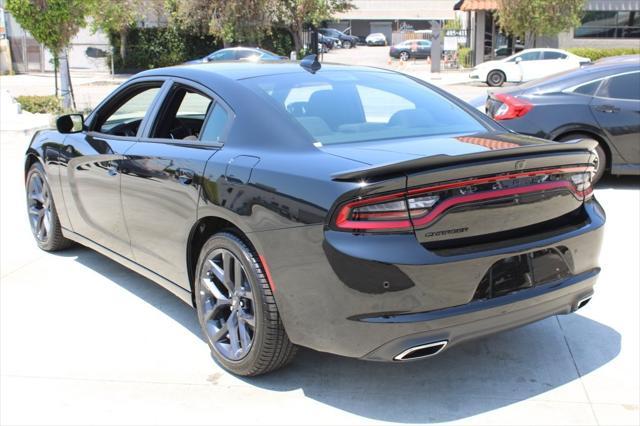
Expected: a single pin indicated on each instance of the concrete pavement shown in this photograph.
(85, 341)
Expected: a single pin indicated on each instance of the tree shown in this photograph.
(52, 23)
(294, 14)
(234, 21)
(117, 16)
(533, 18)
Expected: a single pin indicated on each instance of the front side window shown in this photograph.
(527, 56)
(182, 114)
(625, 86)
(610, 24)
(123, 116)
(224, 55)
(340, 107)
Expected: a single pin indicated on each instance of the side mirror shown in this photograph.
(518, 59)
(70, 123)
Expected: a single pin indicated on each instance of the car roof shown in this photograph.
(236, 70)
(567, 79)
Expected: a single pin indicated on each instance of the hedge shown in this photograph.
(160, 47)
(595, 54)
(40, 104)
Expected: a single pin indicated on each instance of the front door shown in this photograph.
(91, 161)
(616, 107)
(162, 177)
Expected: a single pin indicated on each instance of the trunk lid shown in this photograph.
(484, 185)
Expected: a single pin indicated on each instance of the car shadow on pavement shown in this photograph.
(465, 380)
(619, 182)
(469, 379)
(138, 285)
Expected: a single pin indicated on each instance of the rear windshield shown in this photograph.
(341, 107)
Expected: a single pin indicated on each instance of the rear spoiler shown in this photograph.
(437, 161)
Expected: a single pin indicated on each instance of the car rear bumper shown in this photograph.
(375, 296)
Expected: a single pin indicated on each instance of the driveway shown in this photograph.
(85, 341)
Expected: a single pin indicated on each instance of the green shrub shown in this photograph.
(595, 54)
(40, 104)
(160, 47)
(464, 57)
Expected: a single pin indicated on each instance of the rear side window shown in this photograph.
(342, 107)
(587, 89)
(217, 122)
(626, 86)
(182, 114)
(548, 54)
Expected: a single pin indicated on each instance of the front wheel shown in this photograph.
(43, 217)
(346, 44)
(496, 78)
(236, 309)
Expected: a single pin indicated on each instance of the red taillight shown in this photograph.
(420, 206)
(512, 107)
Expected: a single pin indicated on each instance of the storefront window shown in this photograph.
(620, 24)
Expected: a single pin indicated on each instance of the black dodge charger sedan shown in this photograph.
(355, 211)
(600, 101)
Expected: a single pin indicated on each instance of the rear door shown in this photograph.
(162, 175)
(91, 163)
(616, 107)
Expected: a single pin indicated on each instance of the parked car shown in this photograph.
(527, 65)
(239, 54)
(411, 49)
(376, 39)
(355, 211)
(601, 102)
(346, 41)
(327, 43)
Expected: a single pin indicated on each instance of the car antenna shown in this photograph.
(310, 63)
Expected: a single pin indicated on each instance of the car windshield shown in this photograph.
(356, 106)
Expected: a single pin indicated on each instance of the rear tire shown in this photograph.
(602, 155)
(43, 216)
(496, 78)
(241, 313)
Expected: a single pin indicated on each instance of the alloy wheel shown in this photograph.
(39, 206)
(227, 305)
(404, 56)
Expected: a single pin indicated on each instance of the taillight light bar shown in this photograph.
(512, 107)
(403, 210)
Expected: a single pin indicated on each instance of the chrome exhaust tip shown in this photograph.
(582, 302)
(421, 351)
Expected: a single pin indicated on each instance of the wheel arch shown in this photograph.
(594, 133)
(31, 158)
(204, 228)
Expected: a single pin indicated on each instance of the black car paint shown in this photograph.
(360, 295)
(557, 113)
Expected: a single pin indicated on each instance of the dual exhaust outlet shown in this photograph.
(421, 351)
(434, 348)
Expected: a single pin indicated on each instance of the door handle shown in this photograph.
(607, 108)
(112, 170)
(185, 176)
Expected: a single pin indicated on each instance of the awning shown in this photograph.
(612, 5)
(471, 5)
(422, 10)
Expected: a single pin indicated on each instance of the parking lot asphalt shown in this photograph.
(83, 340)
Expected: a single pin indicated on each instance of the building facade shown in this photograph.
(605, 24)
(387, 17)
